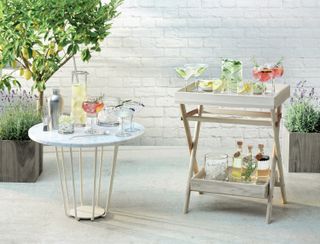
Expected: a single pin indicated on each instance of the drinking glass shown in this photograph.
(136, 107)
(231, 74)
(199, 69)
(277, 72)
(92, 105)
(262, 74)
(107, 117)
(216, 166)
(122, 112)
(185, 72)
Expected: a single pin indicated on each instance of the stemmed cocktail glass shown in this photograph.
(92, 106)
(135, 106)
(123, 112)
(185, 72)
(263, 74)
(277, 72)
(199, 69)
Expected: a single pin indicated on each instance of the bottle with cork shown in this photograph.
(263, 165)
(248, 165)
(236, 169)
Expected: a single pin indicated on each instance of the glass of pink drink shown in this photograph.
(262, 74)
(92, 106)
(277, 72)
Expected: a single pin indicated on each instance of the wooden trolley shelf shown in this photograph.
(246, 189)
(258, 110)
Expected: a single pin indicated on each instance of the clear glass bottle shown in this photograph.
(263, 165)
(248, 165)
(236, 169)
(79, 93)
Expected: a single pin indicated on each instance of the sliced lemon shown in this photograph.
(205, 85)
(217, 85)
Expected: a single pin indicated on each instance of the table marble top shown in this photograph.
(79, 138)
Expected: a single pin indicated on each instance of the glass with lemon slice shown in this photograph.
(245, 87)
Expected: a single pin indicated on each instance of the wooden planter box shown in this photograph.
(20, 161)
(301, 151)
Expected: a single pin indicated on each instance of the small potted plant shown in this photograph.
(302, 134)
(20, 158)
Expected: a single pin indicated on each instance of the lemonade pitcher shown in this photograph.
(79, 92)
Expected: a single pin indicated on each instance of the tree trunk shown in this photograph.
(40, 103)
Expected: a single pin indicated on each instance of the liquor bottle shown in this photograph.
(237, 162)
(263, 167)
(248, 165)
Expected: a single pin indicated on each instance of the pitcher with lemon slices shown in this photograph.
(79, 93)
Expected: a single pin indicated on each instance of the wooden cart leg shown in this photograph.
(192, 160)
(273, 169)
(188, 133)
(279, 158)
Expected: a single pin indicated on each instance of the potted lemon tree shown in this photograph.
(302, 134)
(37, 37)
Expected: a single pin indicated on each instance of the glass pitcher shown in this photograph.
(79, 92)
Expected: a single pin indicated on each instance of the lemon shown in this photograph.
(14, 64)
(205, 85)
(25, 53)
(51, 52)
(34, 53)
(27, 74)
(21, 71)
(217, 85)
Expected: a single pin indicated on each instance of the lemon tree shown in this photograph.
(37, 37)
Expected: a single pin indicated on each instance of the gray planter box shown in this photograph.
(20, 161)
(301, 151)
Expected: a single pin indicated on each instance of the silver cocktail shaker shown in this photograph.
(55, 105)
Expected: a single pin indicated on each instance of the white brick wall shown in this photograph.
(151, 37)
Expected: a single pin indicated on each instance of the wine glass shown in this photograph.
(263, 74)
(277, 72)
(122, 112)
(185, 72)
(135, 106)
(92, 105)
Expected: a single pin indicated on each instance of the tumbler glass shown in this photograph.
(216, 166)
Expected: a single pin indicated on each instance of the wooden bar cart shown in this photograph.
(257, 110)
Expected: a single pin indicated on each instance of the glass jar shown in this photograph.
(216, 166)
(107, 117)
(79, 93)
(66, 125)
(231, 74)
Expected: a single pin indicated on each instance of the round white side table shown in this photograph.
(78, 208)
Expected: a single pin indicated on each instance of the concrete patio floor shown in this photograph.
(147, 207)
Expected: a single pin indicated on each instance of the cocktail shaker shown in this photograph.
(55, 105)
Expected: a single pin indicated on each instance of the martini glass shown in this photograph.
(185, 72)
(199, 69)
(92, 105)
(135, 107)
(122, 112)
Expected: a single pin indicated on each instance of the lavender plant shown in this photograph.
(17, 114)
(303, 113)
(16, 96)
